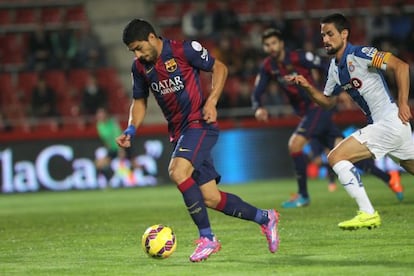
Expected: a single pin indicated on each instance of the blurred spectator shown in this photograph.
(94, 97)
(281, 23)
(197, 22)
(377, 25)
(225, 20)
(273, 96)
(90, 53)
(224, 100)
(401, 25)
(228, 54)
(43, 100)
(243, 98)
(108, 129)
(40, 49)
(64, 45)
(5, 125)
(250, 57)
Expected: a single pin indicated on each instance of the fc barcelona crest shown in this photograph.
(171, 65)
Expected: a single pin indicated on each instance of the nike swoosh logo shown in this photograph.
(350, 183)
(183, 149)
(149, 70)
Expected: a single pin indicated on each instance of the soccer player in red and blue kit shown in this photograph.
(316, 122)
(170, 70)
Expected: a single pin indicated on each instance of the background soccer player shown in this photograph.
(316, 122)
(170, 69)
(357, 71)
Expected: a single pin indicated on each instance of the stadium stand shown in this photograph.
(19, 17)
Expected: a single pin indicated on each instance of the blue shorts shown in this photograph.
(195, 145)
(317, 124)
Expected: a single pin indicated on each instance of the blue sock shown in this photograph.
(368, 166)
(234, 206)
(206, 232)
(299, 163)
(195, 206)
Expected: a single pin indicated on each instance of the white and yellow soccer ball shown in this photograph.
(159, 241)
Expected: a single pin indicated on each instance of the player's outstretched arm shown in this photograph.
(136, 117)
(402, 78)
(219, 77)
(316, 95)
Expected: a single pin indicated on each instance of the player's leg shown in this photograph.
(180, 171)
(391, 180)
(232, 205)
(408, 165)
(296, 144)
(191, 149)
(341, 158)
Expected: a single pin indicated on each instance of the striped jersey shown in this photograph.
(359, 74)
(175, 82)
(295, 62)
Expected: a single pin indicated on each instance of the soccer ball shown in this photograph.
(159, 241)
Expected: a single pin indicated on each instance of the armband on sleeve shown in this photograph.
(379, 60)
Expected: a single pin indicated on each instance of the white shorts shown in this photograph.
(388, 137)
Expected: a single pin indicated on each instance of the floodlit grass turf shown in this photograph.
(99, 233)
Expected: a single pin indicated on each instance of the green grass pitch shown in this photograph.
(99, 233)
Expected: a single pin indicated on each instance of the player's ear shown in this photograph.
(345, 34)
(151, 36)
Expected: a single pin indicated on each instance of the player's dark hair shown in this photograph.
(339, 20)
(270, 33)
(137, 30)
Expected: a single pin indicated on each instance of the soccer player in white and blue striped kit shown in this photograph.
(357, 70)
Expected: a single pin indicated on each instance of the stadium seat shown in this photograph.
(26, 81)
(76, 14)
(78, 78)
(12, 51)
(340, 4)
(108, 78)
(241, 7)
(212, 5)
(27, 16)
(173, 32)
(232, 87)
(6, 17)
(6, 88)
(51, 16)
(56, 79)
(265, 7)
(166, 10)
(315, 5)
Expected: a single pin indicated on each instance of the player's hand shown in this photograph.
(124, 140)
(261, 114)
(298, 80)
(209, 113)
(404, 113)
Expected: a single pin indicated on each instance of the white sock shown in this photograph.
(349, 176)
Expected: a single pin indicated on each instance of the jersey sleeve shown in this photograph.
(331, 86)
(140, 87)
(198, 56)
(373, 57)
(260, 84)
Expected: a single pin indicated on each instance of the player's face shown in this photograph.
(145, 51)
(333, 40)
(273, 46)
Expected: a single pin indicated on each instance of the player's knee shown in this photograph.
(333, 158)
(177, 175)
(408, 165)
(212, 200)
